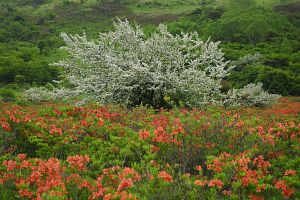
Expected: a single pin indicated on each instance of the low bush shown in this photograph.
(7, 95)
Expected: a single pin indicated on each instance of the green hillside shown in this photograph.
(29, 35)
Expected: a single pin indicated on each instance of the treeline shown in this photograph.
(263, 43)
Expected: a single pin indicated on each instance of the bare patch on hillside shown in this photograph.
(291, 8)
(102, 11)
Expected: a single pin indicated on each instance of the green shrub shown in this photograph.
(249, 25)
(277, 60)
(7, 95)
(274, 80)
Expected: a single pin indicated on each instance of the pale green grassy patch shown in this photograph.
(163, 7)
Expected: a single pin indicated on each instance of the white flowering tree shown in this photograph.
(123, 66)
(250, 95)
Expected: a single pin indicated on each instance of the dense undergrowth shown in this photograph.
(58, 151)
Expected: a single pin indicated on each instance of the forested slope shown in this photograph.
(260, 37)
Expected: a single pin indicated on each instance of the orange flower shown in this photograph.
(78, 162)
(108, 196)
(98, 194)
(161, 136)
(200, 183)
(55, 130)
(34, 177)
(25, 193)
(215, 182)
(280, 184)
(10, 165)
(164, 175)
(287, 192)
(22, 156)
(198, 167)
(25, 164)
(260, 163)
(125, 183)
(130, 173)
(144, 134)
(216, 165)
(250, 178)
(101, 122)
(227, 192)
(290, 172)
(5, 126)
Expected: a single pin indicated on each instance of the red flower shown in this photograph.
(200, 183)
(25, 193)
(35, 177)
(287, 192)
(198, 167)
(164, 175)
(108, 196)
(144, 134)
(98, 194)
(22, 156)
(10, 165)
(227, 192)
(14, 119)
(125, 183)
(25, 164)
(280, 184)
(261, 164)
(129, 172)
(250, 178)
(100, 123)
(216, 165)
(78, 162)
(290, 172)
(161, 136)
(55, 130)
(84, 123)
(5, 126)
(215, 182)
(85, 184)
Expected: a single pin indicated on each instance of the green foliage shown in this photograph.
(29, 31)
(249, 25)
(7, 95)
(277, 60)
(274, 80)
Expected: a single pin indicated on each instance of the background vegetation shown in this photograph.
(29, 39)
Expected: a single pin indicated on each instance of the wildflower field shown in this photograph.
(59, 151)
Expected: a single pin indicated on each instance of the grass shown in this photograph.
(163, 7)
(101, 12)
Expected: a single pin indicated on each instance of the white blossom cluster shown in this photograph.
(37, 94)
(123, 66)
(249, 59)
(250, 95)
